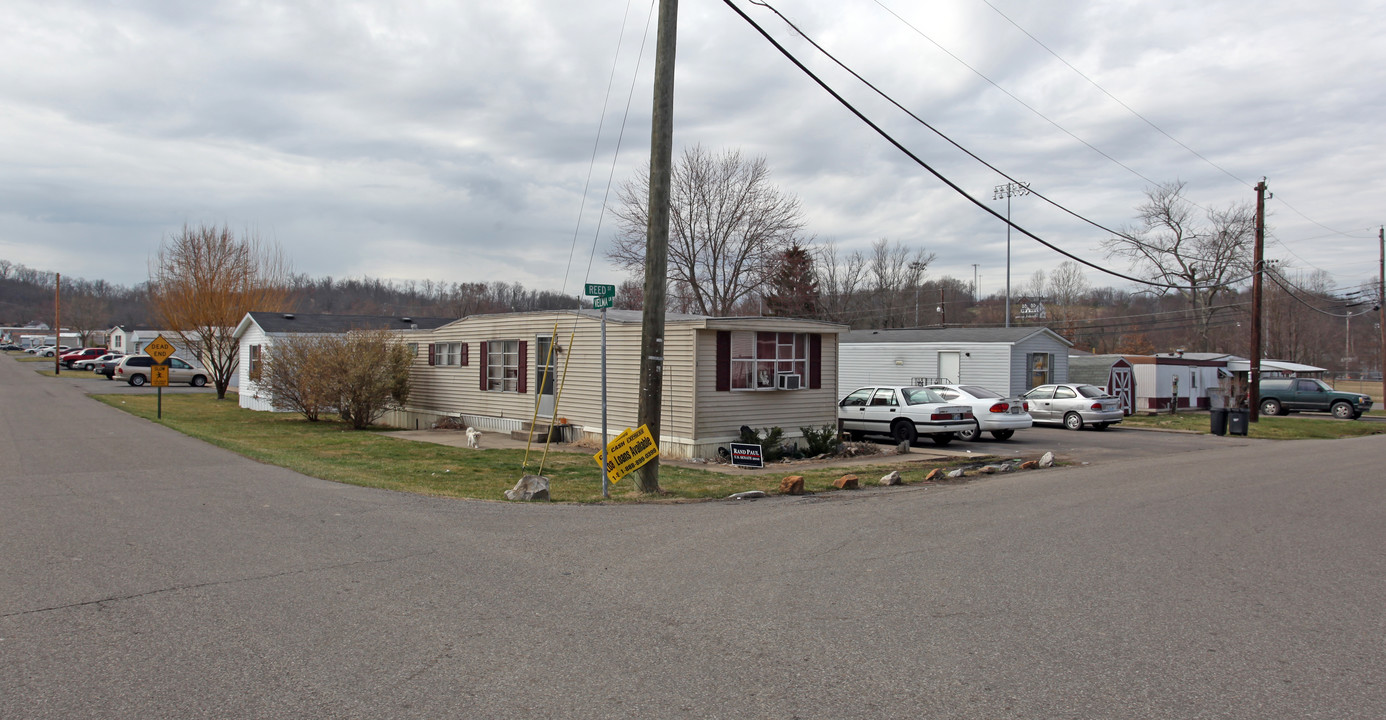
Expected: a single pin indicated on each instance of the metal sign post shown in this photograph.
(160, 350)
(602, 297)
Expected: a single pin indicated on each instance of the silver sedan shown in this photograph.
(1074, 405)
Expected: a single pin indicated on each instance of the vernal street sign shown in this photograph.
(160, 349)
(601, 291)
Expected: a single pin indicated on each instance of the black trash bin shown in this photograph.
(1219, 417)
(1237, 421)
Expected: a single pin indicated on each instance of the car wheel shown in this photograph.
(137, 380)
(1003, 434)
(903, 431)
(972, 434)
(942, 439)
(1271, 407)
(1073, 421)
(198, 381)
(1342, 411)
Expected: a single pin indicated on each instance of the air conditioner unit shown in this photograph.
(787, 381)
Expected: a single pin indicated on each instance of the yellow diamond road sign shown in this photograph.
(160, 349)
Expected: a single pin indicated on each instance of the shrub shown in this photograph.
(820, 441)
(771, 442)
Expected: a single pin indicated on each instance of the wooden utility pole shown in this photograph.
(57, 324)
(1258, 265)
(657, 237)
(1381, 310)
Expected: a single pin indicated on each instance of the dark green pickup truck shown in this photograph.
(1282, 396)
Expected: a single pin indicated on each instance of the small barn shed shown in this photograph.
(1004, 360)
(495, 373)
(1177, 380)
(258, 331)
(1110, 372)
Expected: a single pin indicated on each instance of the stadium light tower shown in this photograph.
(1008, 191)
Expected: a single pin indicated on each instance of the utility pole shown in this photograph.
(657, 237)
(1258, 265)
(57, 323)
(1008, 191)
(942, 309)
(975, 296)
(1381, 309)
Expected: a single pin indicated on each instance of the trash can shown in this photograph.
(1237, 421)
(1219, 417)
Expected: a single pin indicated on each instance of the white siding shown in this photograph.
(720, 414)
(251, 397)
(862, 364)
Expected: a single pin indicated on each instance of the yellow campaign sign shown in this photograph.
(158, 375)
(160, 349)
(627, 452)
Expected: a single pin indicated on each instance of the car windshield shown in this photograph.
(919, 396)
(1091, 391)
(978, 392)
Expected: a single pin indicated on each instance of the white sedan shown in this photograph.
(999, 415)
(904, 413)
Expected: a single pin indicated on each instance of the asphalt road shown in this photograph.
(147, 575)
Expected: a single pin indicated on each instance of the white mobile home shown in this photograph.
(495, 372)
(1005, 360)
(258, 331)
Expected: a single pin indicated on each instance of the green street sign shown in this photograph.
(603, 302)
(601, 291)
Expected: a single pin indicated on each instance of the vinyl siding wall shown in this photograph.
(720, 414)
(863, 364)
(1058, 370)
(250, 396)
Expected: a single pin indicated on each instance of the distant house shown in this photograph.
(496, 373)
(132, 340)
(258, 331)
(1005, 360)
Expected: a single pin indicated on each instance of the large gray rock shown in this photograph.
(891, 478)
(1046, 460)
(530, 487)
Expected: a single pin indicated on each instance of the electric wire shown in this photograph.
(889, 138)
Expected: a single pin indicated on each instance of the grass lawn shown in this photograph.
(1359, 386)
(1271, 428)
(333, 451)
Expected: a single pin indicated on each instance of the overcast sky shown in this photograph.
(451, 141)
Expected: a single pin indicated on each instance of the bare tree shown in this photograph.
(896, 275)
(370, 374)
(1200, 255)
(296, 374)
(202, 284)
(839, 282)
(728, 225)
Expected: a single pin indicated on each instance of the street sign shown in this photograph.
(628, 452)
(603, 302)
(605, 291)
(160, 349)
(158, 375)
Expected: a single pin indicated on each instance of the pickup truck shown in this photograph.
(1282, 396)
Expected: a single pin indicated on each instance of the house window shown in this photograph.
(503, 365)
(769, 360)
(1039, 365)
(256, 368)
(448, 354)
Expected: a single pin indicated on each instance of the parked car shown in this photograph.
(49, 350)
(10, 346)
(70, 357)
(995, 413)
(1282, 396)
(90, 363)
(1073, 406)
(134, 369)
(107, 367)
(904, 413)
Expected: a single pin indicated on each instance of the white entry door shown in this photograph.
(950, 366)
(545, 366)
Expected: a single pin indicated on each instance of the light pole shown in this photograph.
(1008, 191)
(917, 270)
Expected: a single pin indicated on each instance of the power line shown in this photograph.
(889, 138)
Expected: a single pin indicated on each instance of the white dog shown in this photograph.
(473, 438)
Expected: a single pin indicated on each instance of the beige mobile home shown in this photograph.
(495, 372)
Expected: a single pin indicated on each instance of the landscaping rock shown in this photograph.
(891, 478)
(747, 495)
(792, 485)
(530, 487)
(953, 475)
(933, 475)
(1047, 460)
(846, 482)
(902, 449)
(1029, 465)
